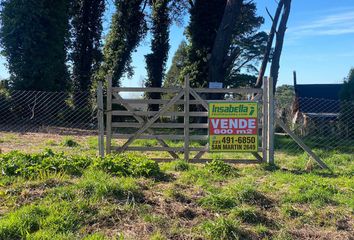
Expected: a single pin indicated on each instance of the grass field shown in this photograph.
(68, 193)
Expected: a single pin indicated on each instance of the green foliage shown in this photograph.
(26, 165)
(19, 223)
(245, 50)
(291, 212)
(249, 215)
(69, 142)
(285, 95)
(347, 92)
(181, 166)
(218, 201)
(231, 196)
(218, 166)
(96, 185)
(87, 30)
(127, 29)
(308, 191)
(128, 165)
(173, 77)
(156, 61)
(347, 106)
(96, 236)
(34, 39)
(223, 229)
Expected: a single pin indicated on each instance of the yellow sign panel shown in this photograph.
(233, 127)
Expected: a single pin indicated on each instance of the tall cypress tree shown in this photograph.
(34, 37)
(156, 61)
(127, 29)
(87, 31)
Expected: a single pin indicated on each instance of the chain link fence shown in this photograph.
(47, 112)
(322, 124)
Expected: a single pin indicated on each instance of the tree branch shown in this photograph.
(269, 44)
(274, 69)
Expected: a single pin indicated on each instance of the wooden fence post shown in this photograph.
(265, 120)
(270, 121)
(100, 113)
(186, 117)
(109, 115)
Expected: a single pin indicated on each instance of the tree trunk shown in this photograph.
(223, 40)
(274, 69)
(269, 44)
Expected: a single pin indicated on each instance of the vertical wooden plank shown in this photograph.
(186, 117)
(100, 119)
(109, 115)
(270, 121)
(265, 120)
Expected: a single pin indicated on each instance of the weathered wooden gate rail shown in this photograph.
(147, 122)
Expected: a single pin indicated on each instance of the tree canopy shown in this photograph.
(35, 40)
(87, 30)
(128, 27)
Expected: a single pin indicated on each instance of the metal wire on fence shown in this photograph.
(39, 111)
(322, 124)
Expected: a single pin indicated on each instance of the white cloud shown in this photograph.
(331, 25)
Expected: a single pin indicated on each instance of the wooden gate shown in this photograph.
(182, 116)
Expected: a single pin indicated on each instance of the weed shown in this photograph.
(218, 166)
(223, 229)
(26, 165)
(262, 231)
(218, 201)
(291, 212)
(181, 166)
(157, 236)
(69, 142)
(177, 195)
(249, 215)
(50, 235)
(248, 194)
(51, 143)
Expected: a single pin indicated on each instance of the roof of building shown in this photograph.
(318, 98)
(325, 91)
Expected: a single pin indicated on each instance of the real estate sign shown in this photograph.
(233, 127)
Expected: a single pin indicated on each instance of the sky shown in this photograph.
(319, 42)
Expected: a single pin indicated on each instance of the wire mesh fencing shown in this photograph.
(322, 124)
(39, 111)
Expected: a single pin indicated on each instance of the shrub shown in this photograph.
(128, 165)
